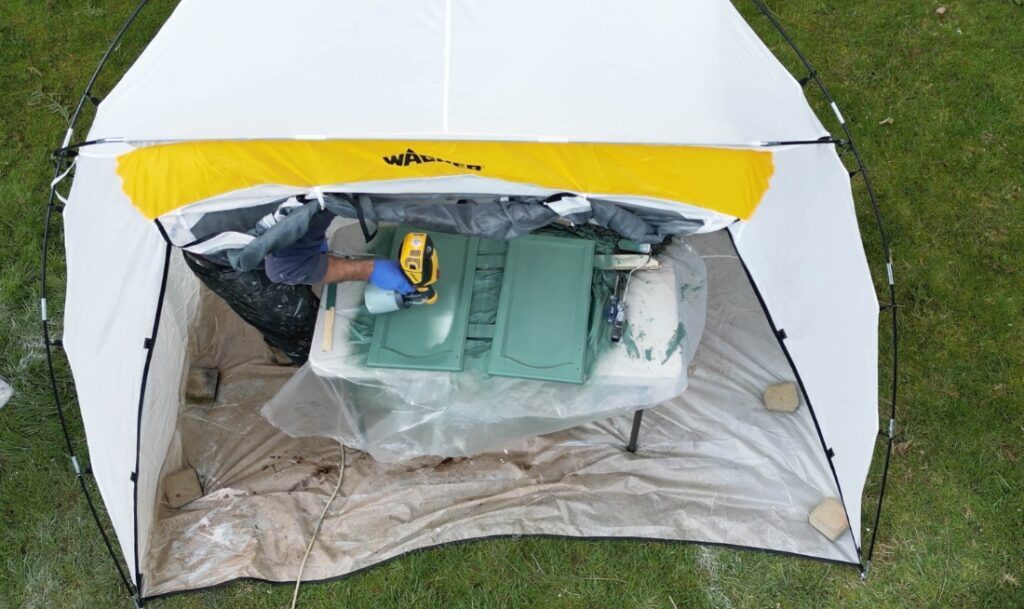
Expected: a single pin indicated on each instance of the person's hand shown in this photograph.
(387, 275)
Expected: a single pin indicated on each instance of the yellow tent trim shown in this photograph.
(161, 178)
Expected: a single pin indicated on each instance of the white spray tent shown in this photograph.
(671, 106)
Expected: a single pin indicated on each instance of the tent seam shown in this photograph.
(445, 93)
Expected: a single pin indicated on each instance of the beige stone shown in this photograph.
(201, 385)
(829, 518)
(782, 397)
(182, 487)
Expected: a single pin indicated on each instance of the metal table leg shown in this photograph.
(634, 435)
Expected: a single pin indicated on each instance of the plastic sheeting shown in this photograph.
(401, 414)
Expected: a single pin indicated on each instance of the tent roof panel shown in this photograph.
(651, 71)
(242, 68)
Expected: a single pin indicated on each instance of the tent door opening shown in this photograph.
(716, 466)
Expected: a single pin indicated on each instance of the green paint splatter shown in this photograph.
(686, 289)
(631, 349)
(674, 342)
(649, 354)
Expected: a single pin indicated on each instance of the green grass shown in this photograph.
(950, 175)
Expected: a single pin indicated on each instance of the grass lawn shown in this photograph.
(949, 170)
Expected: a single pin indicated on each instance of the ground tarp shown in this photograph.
(713, 466)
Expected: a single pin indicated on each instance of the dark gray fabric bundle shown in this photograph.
(504, 219)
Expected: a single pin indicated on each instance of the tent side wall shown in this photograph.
(804, 253)
(164, 389)
(113, 256)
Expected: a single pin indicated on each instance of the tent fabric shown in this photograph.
(569, 125)
(116, 276)
(164, 386)
(115, 270)
(646, 72)
(653, 72)
(804, 253)
(727, 180)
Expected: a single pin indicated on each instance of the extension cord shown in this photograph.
(316, 531)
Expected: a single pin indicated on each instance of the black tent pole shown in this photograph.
(889, 433)
(63, 163)
(87, 94)
(47, 343)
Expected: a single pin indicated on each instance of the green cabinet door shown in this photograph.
(430, 337)
(544, 309)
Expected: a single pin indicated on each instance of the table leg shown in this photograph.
(634, 435)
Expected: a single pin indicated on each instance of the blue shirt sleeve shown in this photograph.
(305, 261)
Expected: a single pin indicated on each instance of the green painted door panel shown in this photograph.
(544, 309)
(430, 337)
(493, 246)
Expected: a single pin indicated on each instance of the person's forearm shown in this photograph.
(347, 269)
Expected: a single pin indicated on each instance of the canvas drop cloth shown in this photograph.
(713, 465)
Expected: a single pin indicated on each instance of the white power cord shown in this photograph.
(629, 276)
(316, 531)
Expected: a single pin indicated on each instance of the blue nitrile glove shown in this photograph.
(387, 275)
